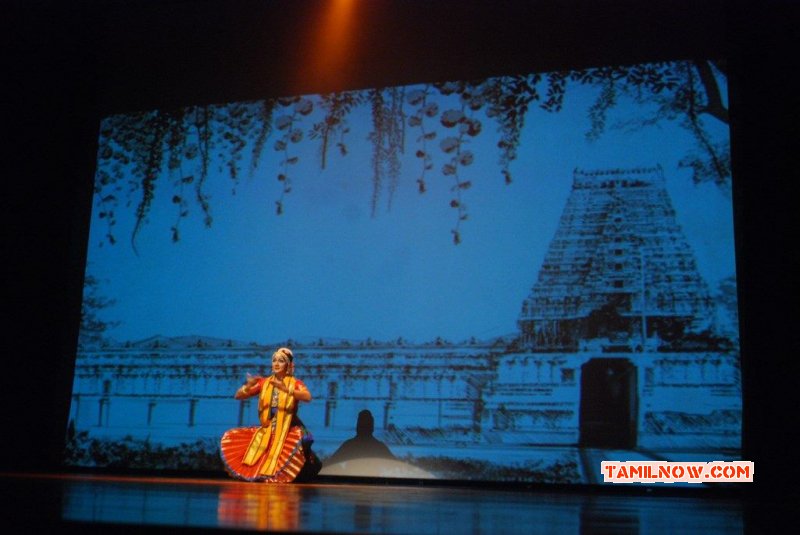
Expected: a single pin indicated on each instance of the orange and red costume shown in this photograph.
(279, 449)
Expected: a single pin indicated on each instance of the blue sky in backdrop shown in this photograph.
(327, 268)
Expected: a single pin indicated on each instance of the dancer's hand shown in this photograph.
(277, 384)
(251, 380)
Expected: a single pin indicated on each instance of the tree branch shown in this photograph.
(714, 106)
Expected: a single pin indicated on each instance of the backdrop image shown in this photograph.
(510, 278)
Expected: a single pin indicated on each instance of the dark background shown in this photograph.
(66, 64)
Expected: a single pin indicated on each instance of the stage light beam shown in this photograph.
(331, 42)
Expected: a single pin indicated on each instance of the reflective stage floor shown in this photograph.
(117, 504)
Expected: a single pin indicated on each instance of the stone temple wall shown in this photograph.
(420, 396)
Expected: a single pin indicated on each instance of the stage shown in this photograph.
(89, 503)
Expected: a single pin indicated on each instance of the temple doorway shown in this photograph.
(609, 404)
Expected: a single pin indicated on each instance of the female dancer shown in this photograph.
(279, 450)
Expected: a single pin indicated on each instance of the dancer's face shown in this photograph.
(279, 364)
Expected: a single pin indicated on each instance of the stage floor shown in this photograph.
(113, 504)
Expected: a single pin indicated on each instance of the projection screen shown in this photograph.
(511, 278)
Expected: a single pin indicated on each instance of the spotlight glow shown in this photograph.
(332, 41)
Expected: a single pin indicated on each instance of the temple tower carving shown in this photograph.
(619, 267)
